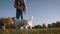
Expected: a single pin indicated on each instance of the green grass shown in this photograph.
(33, 31)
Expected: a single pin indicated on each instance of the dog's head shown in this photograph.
(14, 18)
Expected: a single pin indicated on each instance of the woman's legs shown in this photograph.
(19, 13)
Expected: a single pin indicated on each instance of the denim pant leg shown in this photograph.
(19, 14)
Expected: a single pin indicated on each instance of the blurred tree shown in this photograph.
(49, 25)
(37, 26)
(43, 26)
(58, 24)
(53, 25)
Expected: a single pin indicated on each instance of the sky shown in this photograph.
(43, 11)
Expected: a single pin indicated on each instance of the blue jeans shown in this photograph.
(19, 13)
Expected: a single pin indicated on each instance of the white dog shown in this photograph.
(23, 23)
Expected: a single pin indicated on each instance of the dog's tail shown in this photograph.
(31, 18)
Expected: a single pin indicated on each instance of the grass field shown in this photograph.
(33, 31)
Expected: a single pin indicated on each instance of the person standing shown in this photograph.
(20, 6)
